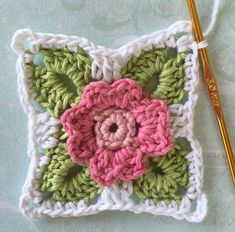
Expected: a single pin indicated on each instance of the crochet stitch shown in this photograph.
(166, 177)
(65, 181)
(111, 129)
(56, 94)
(170, 73)
(103, 131)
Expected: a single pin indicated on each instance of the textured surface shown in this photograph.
(109, 63)
(111, 23)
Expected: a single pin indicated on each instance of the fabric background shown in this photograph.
(113, 23)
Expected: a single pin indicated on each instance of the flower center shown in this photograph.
(115, 128)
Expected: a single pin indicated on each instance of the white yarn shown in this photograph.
(213, 18)
(109, 62)
(46, 127)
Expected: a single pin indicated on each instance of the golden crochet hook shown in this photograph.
(212, 88)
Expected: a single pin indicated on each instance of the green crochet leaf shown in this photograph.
(64, 181)
(167, 177)
(159, 75)
(59, 76)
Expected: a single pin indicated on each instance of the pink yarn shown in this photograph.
(124, 130)
(115, 128)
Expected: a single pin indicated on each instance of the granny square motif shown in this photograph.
(111, 129)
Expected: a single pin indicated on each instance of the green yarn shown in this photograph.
(60, 78)
(167, 177)
(163, 77)
(64, 181)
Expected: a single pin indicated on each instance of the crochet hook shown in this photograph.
(212, 88)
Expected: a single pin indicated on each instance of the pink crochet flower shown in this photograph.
(115, 128)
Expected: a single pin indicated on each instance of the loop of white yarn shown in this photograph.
(213, 18)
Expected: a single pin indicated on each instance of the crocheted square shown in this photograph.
(111, 129)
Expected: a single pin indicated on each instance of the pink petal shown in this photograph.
(103, 168)
(70, 118)
(107, 166)
(79, 124)
(123, 93)
(133, 163)
(153, 135)
(93, 93)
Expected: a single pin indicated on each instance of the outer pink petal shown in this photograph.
(79, 150)
(153, 134)
(79, 124)
(107, 166)
(123, 93)
(133, 163)
(70, 118)
(102, 167)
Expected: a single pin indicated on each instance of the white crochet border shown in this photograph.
(109, 62)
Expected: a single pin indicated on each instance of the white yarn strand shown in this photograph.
(213, 18)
